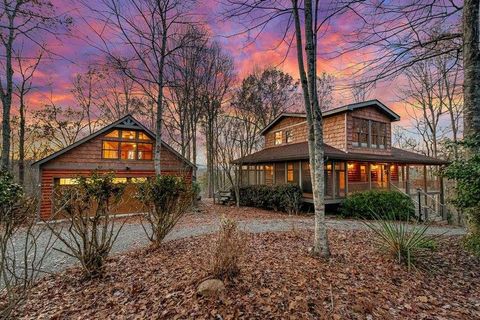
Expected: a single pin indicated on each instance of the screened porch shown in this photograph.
(346, 177)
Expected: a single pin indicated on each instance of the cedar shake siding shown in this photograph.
(85, 156)
(296, 125)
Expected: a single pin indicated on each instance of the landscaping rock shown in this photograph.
(211, 288)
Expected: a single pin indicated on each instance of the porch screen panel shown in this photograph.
(328, 179)
(279, 173)
(292, 172)
(260, 175)
(252, 175)
(269, 174)
(244, 176)
(306, 179)
(357, 177)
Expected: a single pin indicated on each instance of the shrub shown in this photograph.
(472, 243)
(166, 199)
(403, 242)
(90, 232)
(228, 250)
(287, 197)
(21, 258)
(378, 204)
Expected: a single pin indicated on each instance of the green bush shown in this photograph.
(285, 197)
(10, 194)
(378, 203)
(166, 199)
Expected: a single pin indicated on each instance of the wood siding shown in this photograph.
(370, 113)
(297, 125)
(48, 177)
(337, 130)
(85, 158)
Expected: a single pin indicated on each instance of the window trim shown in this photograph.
(370, 139)
(288, 136)
(275, 138)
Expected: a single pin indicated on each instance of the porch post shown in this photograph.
(443, 212)
(369, 172)
(407, 179)
(425, 178)
(389, 175)
(334, 184)
(346, 179)
(300, 175)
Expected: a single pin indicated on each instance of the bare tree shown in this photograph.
(23, 87)
(20, 21)
(59, 125)
(303, 31)
(188, 78)
(220, 71)
(325, 87)
(145, 29)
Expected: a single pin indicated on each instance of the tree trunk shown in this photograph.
(21, 143)
(471, 65)
(7, 97)
(321, 241)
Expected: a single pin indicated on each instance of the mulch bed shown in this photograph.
(279, 280)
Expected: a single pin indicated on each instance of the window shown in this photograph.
(260, 175)
(289, 136)
(67, 181)
(369, 133)
(138, 180)
(119, 180)
(129, 134)
(129, 147)
(306, 178)
(252, 175)
(145, 151)
(278, 137)
(110, 149)
(360, 132)
(143, 136)
(128, 150)
(113, 134)
(379, 133)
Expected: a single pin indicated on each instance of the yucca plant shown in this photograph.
(406, 243)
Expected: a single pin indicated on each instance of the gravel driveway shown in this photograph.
(133, 236)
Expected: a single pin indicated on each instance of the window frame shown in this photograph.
(277, 140)
(288, 136)
(375, 133)
(119, 140)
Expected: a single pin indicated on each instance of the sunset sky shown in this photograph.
(76, 51)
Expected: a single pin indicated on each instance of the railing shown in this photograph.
(428, 207)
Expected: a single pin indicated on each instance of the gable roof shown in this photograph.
(126, 122)
(349, 107)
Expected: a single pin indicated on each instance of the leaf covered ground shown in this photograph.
(279, 280)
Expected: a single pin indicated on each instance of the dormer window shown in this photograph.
(361, 134)
(289, 136)
(278, 137)
(127, 145)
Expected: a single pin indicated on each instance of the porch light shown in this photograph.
(350, 166)
(374, 167)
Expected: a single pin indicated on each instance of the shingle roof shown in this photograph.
(299, 151)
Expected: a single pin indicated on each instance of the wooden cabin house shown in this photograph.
(358, 155)
(124, 147)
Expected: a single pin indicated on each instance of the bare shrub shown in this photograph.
(90, 231)
(21, 256)
(228, 250)
(166, 199)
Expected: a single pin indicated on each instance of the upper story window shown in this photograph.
(289, 136)
(278, 137)
(369, 133)
(128, 145)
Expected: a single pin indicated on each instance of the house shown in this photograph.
(124, 147)
(358, 155)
